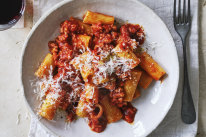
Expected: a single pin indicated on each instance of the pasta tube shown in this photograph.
(112, 112)
(84, 40)
(81, 108)
(128, 56)
(151, 66)
(91, 93)
(83, 63)
(93, 18)
(145, 80)
(50, 104)
(89, 96)
(44, 68)
(131, 85)
(137, 93)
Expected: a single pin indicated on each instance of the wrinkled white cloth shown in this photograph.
(172, 125)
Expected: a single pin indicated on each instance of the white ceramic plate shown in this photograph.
(154, 103)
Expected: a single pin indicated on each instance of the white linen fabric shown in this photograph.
(172, 125)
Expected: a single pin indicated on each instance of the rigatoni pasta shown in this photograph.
(50, 105)
(93, 18)
(83, 64)
(127, 55)
(83, 42)
(45, 66)
(112, 112)
(131, 85)
(137, 93)
(81, 110)
(151, 66)
(145, 80)
(91, 93)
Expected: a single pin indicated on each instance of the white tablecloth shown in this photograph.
(172, 125)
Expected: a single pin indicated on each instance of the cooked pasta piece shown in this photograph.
(83, 42)
(50, 105)
(100, 79)
(127, 55)
(81, 108)
(100, 76)
(137, 93)
(86, 27)
(85, 39)
(151, 66)
(145, 80)
(96, 120)
(44, 68)
(111, 84)
(83, 63)
(91, 93)
(86, 72)
(130, 85)
(89, 96)
(97, 112)
(112, 112)
(93, 18)
(79, 61)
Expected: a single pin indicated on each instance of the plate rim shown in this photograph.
(56, 7)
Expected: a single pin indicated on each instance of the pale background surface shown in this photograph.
(11, 100)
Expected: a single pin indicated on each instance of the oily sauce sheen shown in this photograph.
(9, 9)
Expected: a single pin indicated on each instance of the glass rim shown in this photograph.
(12, 22)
